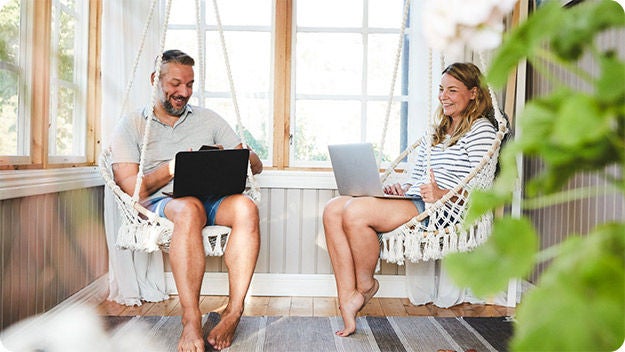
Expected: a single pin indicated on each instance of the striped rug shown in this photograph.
(292, 334)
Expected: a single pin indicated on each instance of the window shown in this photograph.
(248, 36)
(46, 117)
(13, 125)
(68, 81)
(300, 67)
(343, 57)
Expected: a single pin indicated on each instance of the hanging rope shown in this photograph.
(444, 233)
(133, 73)
(142, 229)
(151, 116)
(253, 191)
(200, 48)
(400, 45)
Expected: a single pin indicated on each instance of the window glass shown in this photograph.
(329, 13)
(246, 13)
(380, 64)
(64, 137)
(344, 60)
(376, 112)
(323, 122)
(341, 62)
(66, 47)
(385, 13)
(328, 63)
(11, 121)
(67, 132)
(248, 37)
(181, 12)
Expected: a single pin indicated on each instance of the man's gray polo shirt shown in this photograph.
(196, 127)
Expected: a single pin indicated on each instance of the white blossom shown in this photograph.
(450, 25)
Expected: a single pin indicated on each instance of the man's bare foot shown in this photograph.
(191, 338)
(349, 310)
(371, 292)
(222, 334)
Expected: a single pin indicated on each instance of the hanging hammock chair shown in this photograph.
(142, 229)
(445, 231)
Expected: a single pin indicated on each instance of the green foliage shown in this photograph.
(488, 268)
(9, 31)
(578, 304)
(259, 147)
(579, 300)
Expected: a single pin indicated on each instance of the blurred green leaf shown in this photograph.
(508, 253)
(584, 21)
(583, 291)
(579, 301)
(524, 40)
(579, 121)
(482, 202)
(610, 87)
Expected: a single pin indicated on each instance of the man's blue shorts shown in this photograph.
(211, 204)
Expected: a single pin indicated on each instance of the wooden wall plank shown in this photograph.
(310, 223)
(277, 229)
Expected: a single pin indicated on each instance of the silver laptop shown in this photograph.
(356, 171)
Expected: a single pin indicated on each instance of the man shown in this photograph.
(178, 126)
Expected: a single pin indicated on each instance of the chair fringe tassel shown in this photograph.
(416, 243)
(149, 237)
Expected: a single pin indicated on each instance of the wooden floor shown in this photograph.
(308, 306)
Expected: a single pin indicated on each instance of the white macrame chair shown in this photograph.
(142, 229)
(445, 232)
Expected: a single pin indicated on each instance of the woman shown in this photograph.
(461, 138)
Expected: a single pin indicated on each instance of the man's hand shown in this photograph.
(172, 166)
(125, 175)
(255, 164)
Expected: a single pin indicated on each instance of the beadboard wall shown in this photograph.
(292, 238)
(556, 223)
(52, 246)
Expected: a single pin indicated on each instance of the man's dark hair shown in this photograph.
(176, 56)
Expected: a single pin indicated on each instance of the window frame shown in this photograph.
(364, 97)
(281, 92)
(35, 56)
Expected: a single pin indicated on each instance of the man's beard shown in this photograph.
(171, 110)
(169, 107)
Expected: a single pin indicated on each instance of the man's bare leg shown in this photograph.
(241, 214)
(187, 257)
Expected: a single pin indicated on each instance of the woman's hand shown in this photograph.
(430, 192)
(395, 189)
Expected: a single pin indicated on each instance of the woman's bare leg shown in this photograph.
(342, 262)
(351, 226)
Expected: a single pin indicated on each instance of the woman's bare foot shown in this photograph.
(371, 292)
(191, 338)
(222, 334)
(349, 310)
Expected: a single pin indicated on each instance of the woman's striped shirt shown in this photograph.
(452, 164)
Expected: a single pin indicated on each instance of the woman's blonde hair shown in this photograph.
(481, 106)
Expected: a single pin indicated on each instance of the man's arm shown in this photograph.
(125, 175)
(255, 164)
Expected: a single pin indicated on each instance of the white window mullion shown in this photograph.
(54, 81)
(365, 62)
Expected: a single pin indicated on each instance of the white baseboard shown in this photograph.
(317, 285)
